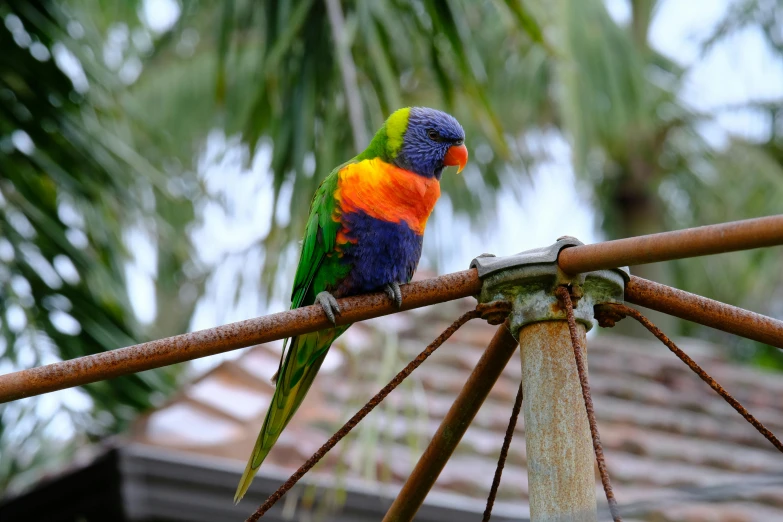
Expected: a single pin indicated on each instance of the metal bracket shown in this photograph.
(529, 279)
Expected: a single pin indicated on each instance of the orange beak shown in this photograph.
(457, 156)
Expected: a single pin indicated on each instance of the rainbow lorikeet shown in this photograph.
(364, 234)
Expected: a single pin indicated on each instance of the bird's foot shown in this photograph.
(329, 304)
(394, 293)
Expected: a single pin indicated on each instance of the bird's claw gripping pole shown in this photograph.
(559, 446)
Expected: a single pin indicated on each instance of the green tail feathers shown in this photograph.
(301, 364)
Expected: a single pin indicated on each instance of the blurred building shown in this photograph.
(675, 450)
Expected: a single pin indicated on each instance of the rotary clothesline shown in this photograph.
(607, 315)
(567, 263)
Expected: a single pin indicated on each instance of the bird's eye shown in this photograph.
(458, 142)
(434, 136)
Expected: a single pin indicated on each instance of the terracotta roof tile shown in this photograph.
(674, 449)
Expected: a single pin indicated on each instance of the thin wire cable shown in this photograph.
(371, 404)
(512, 424)
(608, 314)
(565, 298)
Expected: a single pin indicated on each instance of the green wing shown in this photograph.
(317, 271)
(319, 240)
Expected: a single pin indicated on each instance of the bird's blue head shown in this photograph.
(424, 141)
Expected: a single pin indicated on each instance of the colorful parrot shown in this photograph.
(364, 234)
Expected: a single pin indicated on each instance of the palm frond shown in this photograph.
(71, 185)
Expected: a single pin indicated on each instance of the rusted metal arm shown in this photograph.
(186, 347)
(679, 244)
(712, 239)
(453, 427)
(708, 312)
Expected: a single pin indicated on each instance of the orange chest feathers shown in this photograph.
(386, 192)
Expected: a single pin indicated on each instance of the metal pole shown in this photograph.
(561, 476)
(180, 348)
(576, 259)
(453, 427)
(704, 311)
(679, 244)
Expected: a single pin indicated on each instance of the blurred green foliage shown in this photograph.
(71, 185)
(113, 146)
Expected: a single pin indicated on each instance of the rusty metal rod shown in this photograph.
(679, 244)
(708, 312)
(362, 413)
(643, 249)
(609, 314)
(185, 347)
(564, 297)
(512, 424)
(453, 427)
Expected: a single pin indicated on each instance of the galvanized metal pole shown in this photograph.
(561, 477)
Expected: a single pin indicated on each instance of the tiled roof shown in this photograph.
(675, 451)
